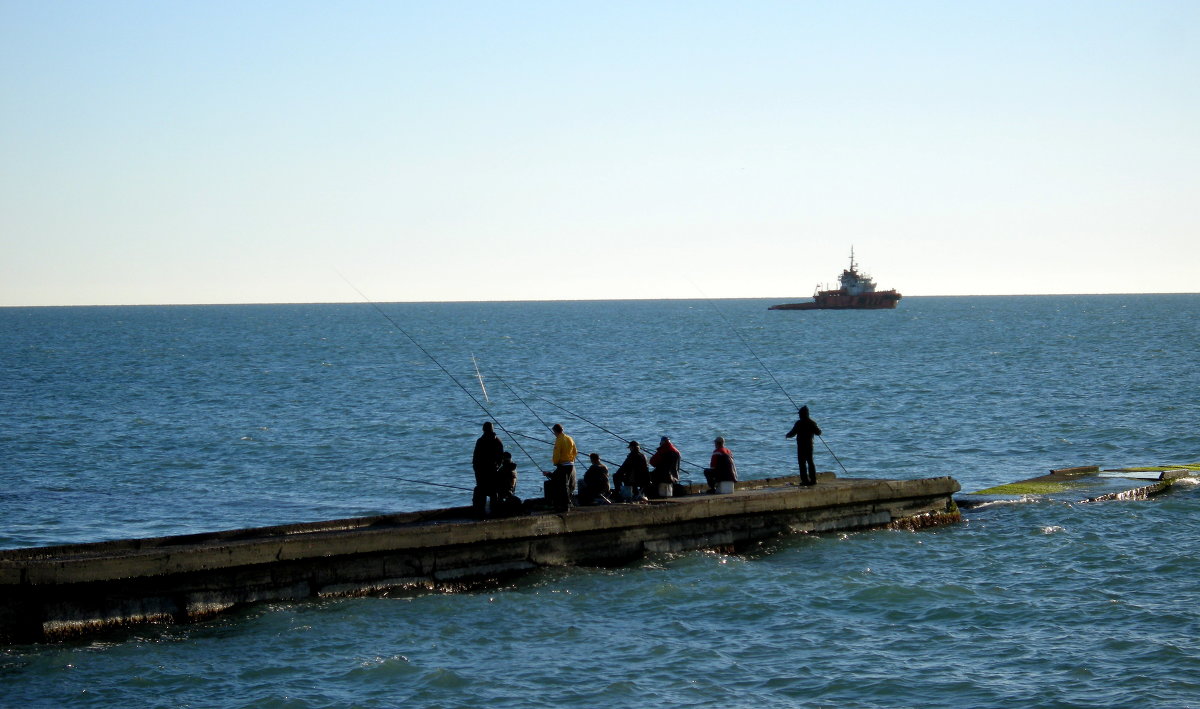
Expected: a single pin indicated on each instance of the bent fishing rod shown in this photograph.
(433, 359)
(540, 419)
(768, 371)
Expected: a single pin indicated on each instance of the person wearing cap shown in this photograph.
(634, 472)
(486, 460)
(666, 463)
(721, 466)
(596, 486)
(560, 483)
(803, 431)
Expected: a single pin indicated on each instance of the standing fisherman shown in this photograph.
(803, 431)
(561, 483)
(489, 454)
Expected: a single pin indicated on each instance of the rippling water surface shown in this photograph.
(122, 422)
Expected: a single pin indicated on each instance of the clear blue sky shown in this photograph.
(219, 152)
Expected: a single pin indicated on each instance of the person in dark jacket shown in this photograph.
(596, 485)
(666, 463)
(506, 477)
(803, 431)
(489, 454)
(506, 501)
(721, 466)
(634, 472)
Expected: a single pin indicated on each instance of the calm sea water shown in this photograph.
(140, 421)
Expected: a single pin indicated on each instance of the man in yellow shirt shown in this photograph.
(560, 484)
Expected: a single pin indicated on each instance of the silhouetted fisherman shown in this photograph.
(803, 431)
(634, 472)
(506, 501)
(560, 483)
(489, 454)
(596, 485)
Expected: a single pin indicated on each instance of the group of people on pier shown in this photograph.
(637, 478)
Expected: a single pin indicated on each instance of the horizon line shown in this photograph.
(560, 300)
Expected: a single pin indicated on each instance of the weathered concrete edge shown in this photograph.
(52, 611)
(238, 553)
(1145, 492)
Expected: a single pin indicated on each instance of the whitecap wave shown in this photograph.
(1024, 500)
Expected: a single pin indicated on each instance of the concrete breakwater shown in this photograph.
(1088, 483)
(56, 592)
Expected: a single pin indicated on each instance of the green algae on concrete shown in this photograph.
(1026, 487)
(1066, 479)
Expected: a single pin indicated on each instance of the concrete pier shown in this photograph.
(56, 592)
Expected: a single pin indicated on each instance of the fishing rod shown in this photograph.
(433, 359)
(480, 377)
(833, 454)
(593, 423)
(527, 406)
(767, 370)
(426, 482)
(568, 412)
(536, 416)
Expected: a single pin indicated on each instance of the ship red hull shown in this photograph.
(835, 300)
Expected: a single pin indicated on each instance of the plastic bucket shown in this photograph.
(664, 489)
(725, 487)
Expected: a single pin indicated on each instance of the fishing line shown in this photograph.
(433, 359)
(834, 456)
(764, 366)
(602, 428)
(539, 418)
(747, 344)
(426, 482)
(569, 413)
(527, 406)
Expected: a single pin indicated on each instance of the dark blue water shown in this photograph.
(142, 421)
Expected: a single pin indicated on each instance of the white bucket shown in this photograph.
(664, 489)
(725, 487)
(626, 492)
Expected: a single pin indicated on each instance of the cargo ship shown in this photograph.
(857, 292)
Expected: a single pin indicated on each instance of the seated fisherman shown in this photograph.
(721, 466)
(505, 501)
(666, 464)
(595, 487)
(634, 472)
(506, 476)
